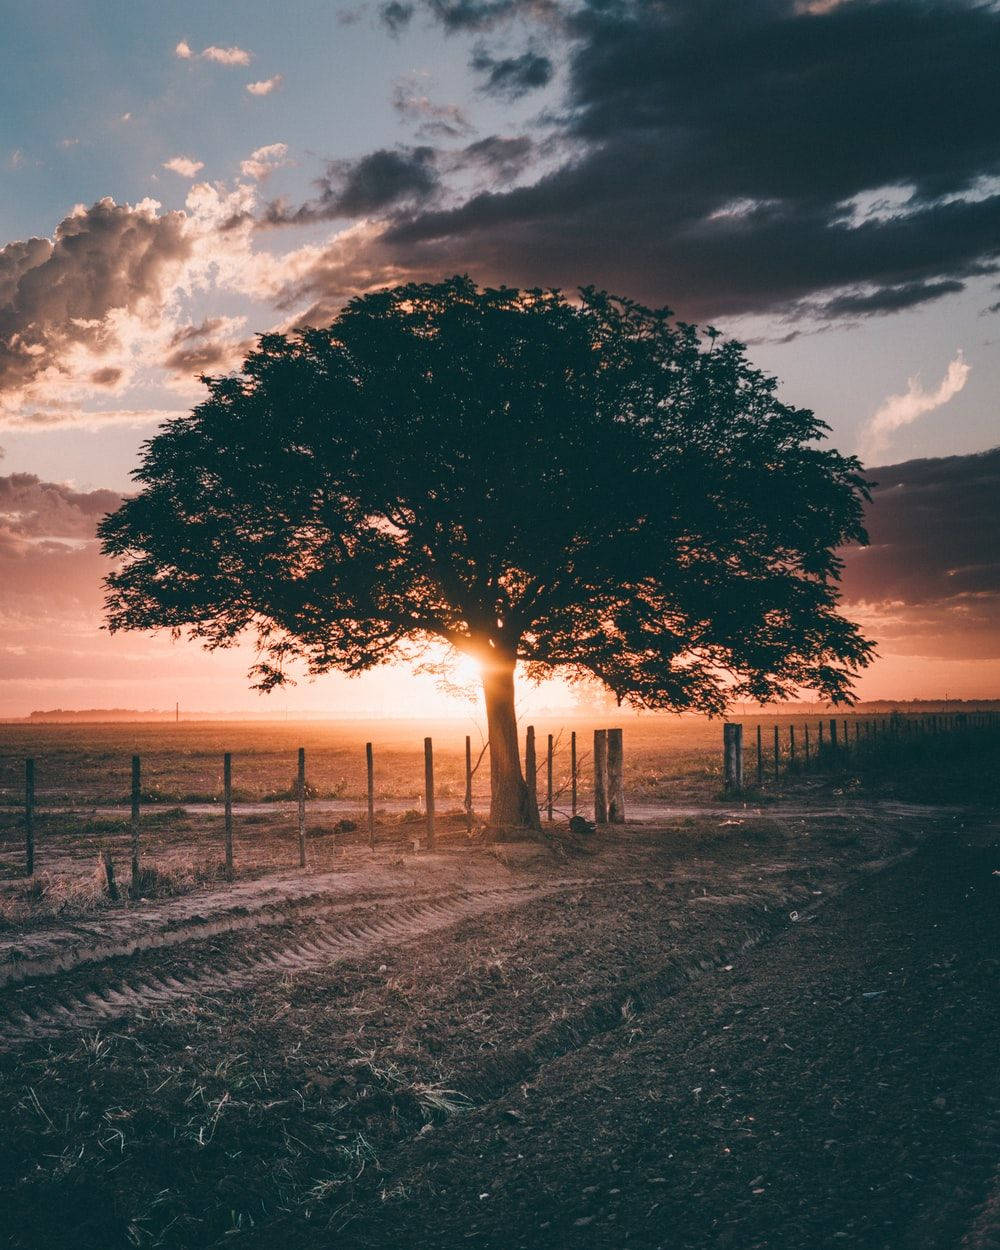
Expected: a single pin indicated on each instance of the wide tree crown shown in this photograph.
(586, 485)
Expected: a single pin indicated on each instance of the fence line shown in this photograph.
(873, 735)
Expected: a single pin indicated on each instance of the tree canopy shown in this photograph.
(587, 485)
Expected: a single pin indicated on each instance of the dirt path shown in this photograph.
(682, 1041)
(838, 1088)
(115, 990)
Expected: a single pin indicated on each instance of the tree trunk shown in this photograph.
(511, 804)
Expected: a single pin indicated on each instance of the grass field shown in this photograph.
(676, 758)
(82, 777)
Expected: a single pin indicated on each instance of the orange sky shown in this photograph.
(927, 590)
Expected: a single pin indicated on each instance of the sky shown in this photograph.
(818, 179)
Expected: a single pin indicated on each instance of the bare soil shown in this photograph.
(747, 1028)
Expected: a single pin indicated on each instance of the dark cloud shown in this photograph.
(478, 15)
(930, 579)
(432, 120)
(379, 181)
(512, 76)
(890, 298)
(205, 347)
(109, 376)
(396, 16)
(503, 158)
(33, 509)
(731, 158)
(57, 294)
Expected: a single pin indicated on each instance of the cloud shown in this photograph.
(79, 418)
(714, 157)
(929, 583)
(377, 182)
(396, 16)
(215, 345)
(68, 304)
(266, 85)
(905, 408)
(184, 165)
(262, 162)
(220, 56)
(504, 158)
(479, 15)
(512, 76)
(31, 508)
(432, 120)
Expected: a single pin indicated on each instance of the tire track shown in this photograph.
(52, 1013)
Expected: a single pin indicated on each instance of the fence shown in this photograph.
(609, 797)
(835, 741)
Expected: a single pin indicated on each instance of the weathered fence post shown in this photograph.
(791, 747)
(805, 746)
(531, 767)
(300, 788)
(846, 739)
(572, 769)
(29, 817)
(109, 876)
(548, 779)
(777, 753)
(616, 778)
(732, 744)
(760, 760)
(370, 771)
(136, 796)
(227, 790)
(833, 735)
(819, 745)
(429, 790)
(600, 776)
(468, 784)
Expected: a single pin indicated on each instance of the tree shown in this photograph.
(589, 486)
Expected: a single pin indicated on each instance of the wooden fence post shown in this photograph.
(572, 769)
(300, 788)
(370, 770)
(548, 779)
(429, 790)
(819, 745)
(732, 744)
(109, 876)
(29, 817)
(227, 788)
(846, 740)
(600, 776)
(136, 796)
(616, 778)
(833, 735)
(805, 745)
(531, 767)
(760, 760)
(791, 746)
(777, 753)
(468, 784)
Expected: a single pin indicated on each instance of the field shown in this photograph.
(768, 1022)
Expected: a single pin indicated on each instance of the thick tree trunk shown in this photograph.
(511, 803)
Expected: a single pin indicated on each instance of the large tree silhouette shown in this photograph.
(588, 486)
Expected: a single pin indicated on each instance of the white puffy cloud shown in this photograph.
(266, 85)
(221, 56)
(264, 161)
(73, 306)
(184, 165)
